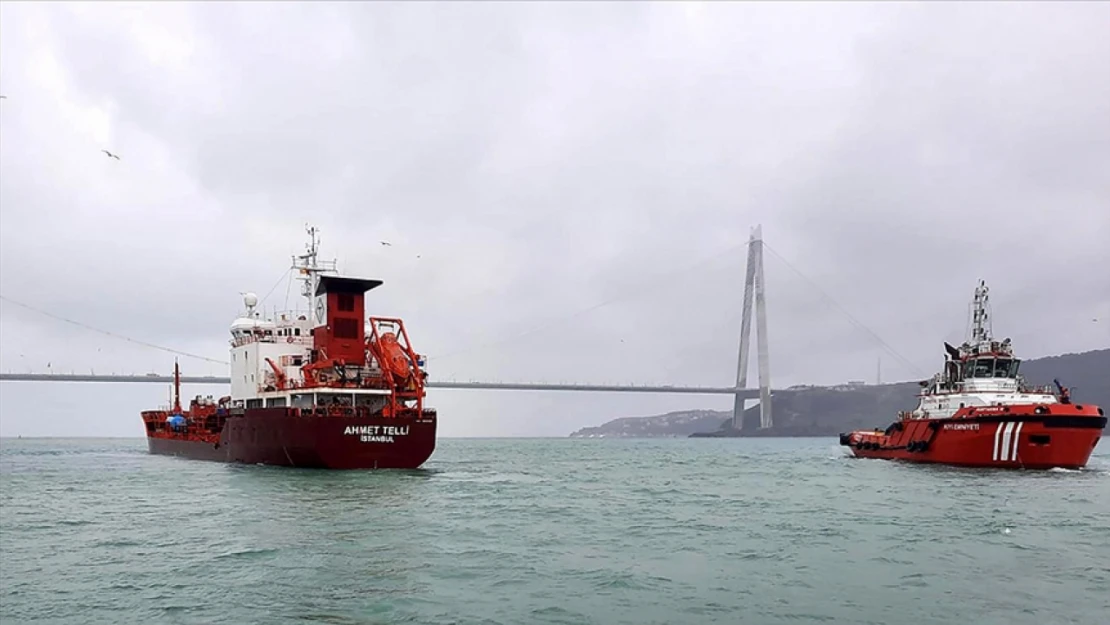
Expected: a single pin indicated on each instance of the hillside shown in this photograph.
(673, 424)
(821, 411)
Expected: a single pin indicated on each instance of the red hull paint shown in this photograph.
(277, 436)
(1016, 439)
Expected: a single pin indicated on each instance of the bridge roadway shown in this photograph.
(502, 386)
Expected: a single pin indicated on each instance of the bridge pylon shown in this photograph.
(754, 289)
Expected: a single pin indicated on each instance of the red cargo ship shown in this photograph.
(979, 412)
(333, 391)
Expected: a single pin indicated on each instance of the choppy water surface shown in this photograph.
(549, 531)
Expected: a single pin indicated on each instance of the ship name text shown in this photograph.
(376, 433)
(961, 426)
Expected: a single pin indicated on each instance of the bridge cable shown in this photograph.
(622, 295)
(534, 330)
(689, 351)
(113, 334)
(905, 361)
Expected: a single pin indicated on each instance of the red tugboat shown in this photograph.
(979, 412)
(328, 392)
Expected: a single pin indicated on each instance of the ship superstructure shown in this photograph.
(982, 371)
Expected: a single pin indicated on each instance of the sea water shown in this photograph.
(764, 531)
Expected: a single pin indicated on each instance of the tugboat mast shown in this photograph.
(981, 328)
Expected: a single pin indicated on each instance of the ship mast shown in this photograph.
(308, 267)
(981, 328)
(176, 388)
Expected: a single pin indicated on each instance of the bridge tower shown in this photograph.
(754, 286)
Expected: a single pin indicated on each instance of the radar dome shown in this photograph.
(250, 300)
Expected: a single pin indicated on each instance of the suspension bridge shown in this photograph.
(754, 301)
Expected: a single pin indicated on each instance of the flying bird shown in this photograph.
(110, 155)
(386, 243)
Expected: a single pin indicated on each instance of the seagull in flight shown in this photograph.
(110, 155)
(387, 243)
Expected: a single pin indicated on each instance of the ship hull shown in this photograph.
(274, 436)
(1014, 441)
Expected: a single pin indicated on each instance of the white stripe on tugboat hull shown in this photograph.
(1014, 447)
(1006, 439)
(998, 435)
(1005, 445)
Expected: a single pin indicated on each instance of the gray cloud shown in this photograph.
(543, 159)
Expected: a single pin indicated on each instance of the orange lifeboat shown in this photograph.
(393, 357)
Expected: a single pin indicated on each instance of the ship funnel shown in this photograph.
(338, 311)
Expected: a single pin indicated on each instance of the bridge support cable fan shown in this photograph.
(637, 290)
(113, 334)
(905, 361)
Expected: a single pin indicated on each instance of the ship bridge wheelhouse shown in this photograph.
(991, 367)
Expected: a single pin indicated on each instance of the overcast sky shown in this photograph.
(542, 160)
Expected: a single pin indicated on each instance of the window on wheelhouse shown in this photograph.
(1009, 371)
(980, 368)
(991, 368)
